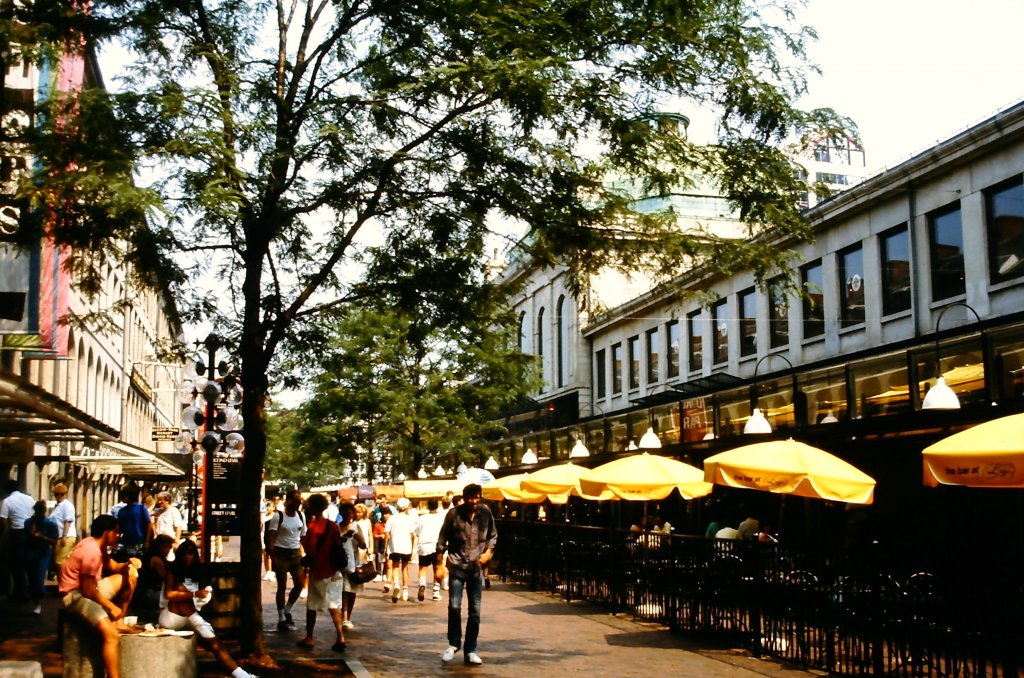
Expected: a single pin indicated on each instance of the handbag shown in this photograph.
(363, 573)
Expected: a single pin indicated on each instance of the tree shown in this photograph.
(416, 384)
(271, 143)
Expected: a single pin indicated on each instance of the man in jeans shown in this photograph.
(469, 535)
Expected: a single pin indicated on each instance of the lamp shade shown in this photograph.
(491, 464)
(529, 457)
(757, 423)
(650, 440)
(461, 470)
(940, 397)
(579, 450)
(439, 471)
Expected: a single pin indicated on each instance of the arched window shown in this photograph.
(561, 343)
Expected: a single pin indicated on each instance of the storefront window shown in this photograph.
(880, 386)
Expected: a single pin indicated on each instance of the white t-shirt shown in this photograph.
(290, 529)
(400, 528)
(16, 509)
(64, 512)
(427, 530)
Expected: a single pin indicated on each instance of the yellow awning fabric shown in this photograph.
(508, 488)
(986, 455)
(433, 487)
(790, 467)
(558, 482)
(642, 477)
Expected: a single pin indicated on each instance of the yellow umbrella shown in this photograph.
(790, 467)
(986, 455)
(642, 477)
(508, 488)
(558, 482)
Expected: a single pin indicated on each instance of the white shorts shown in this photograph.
(325, 594)
(175, 622)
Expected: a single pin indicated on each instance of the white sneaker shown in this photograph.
(449, 654)
(474, 659)
(405, 593)
(348, 625)
(304, 594)
(436, 596)
(378, 578)
(38, 609)
(270, 576)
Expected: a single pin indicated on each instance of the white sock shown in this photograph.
(423, 581)
(240, 673)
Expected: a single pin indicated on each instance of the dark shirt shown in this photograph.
(134, 521)
(466, 540)
(37, 546)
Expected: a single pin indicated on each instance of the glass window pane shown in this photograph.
(634, 362)
(695, 355)
(778, 308)
(896, 277)
(698, 419)
(946, 242)
(812, 278)
(748, 322)
(851, 273)
(599, 375)
(961, 366)
(1005, 209)
(881, 386)
(825, 394)
(617, 368)
(672, 369)
(1008, 365)
(720, 329)
(653, 355)
(666, 423)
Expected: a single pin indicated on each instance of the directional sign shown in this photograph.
(165, 432)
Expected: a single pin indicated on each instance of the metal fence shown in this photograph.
(843, 618)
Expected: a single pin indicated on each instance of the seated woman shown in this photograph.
(182, 595)
(152, 575)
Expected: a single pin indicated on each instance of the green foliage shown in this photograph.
(312, 154)
(411, 385)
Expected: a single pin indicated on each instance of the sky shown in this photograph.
(914, 72)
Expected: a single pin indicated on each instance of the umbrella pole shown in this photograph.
(782, 507)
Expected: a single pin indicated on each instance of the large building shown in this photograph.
(83, 380)
(914, 274)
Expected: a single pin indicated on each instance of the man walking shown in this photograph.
(16, 509)
(469, 535)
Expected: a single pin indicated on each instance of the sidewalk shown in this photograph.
(522, 633)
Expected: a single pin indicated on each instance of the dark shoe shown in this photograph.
(283, 626)
(288, 618)
(338, 647)
(487, 582)
(395, 593)
(423, 592)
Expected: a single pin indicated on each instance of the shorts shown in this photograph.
(400, 558)
(175, 622)
(429, 560)
(89, 610)
(325, 594)
(287, 560)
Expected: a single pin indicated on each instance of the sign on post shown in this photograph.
(165, 433)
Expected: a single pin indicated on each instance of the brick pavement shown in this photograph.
(522, 634)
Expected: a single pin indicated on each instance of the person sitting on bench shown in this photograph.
(100, 600)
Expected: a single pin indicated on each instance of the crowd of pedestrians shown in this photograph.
(139, 556)
(452, 540)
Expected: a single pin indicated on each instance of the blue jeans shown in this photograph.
(473, 583)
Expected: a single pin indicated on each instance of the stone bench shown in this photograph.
(153, 657)
(21, 670)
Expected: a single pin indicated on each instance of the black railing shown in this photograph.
(830, 616)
